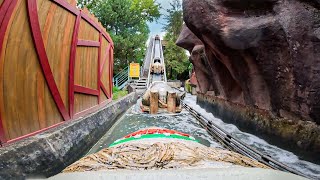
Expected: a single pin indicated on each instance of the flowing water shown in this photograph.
(134, 120)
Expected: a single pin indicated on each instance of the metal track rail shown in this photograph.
(234, 144)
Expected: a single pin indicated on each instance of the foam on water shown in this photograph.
(275, 152)
(134, 119)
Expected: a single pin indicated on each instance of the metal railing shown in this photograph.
(164, 65)
(122, 78)
(234, 144)
(151, 58)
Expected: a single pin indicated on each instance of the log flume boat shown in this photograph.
(167, 150)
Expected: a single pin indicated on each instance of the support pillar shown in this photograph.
(171, 101)
(154, 99)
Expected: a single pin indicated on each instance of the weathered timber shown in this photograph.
(171, 101)
(55, 63)
(154, 99)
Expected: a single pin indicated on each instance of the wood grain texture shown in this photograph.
(43, 57)
(7, 9)
(19, 61)
(105, 72)
(171, 102)
(72, 64)
(36, 60)
(154, 98)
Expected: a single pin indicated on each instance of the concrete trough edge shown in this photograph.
(48, 153)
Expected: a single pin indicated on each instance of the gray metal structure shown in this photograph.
(154, 54)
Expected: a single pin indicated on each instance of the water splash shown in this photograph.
(275, 152)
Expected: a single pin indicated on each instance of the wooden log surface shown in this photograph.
(171, 101)
(154, 99)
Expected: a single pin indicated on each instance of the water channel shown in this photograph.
(134, 120)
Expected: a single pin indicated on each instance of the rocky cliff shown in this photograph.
(258, 53)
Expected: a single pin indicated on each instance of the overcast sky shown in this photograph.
(157, 26)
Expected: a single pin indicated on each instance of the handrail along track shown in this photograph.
(234, 144)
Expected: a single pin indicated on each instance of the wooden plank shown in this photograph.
(98, 66)
(46, 14)
(105, 91)
(16, 96)
(154, 99)
(40, 100)
(41, 56)
(87, 32)
(171, 102)
(105, 68)
(111, 70)
(67, 6)
(7, 10)
(38, 41)
(86, 59)
(4, 9)
(72, 65)
(104, 44)
(58, 50)
(86, 101)
(91, 22)
(46, 109)
(106, 57)
(65, 57)
(85, 73)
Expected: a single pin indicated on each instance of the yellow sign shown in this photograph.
(134, 70)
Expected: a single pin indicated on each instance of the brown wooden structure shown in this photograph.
(154, 101)
(171, 101)
(56, 64)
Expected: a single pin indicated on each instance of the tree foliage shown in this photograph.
(177, 62)
(126, 22)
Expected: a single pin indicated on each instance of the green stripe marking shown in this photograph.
(150, 136)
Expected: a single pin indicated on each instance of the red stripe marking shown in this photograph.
(85, 90)
(87, 111)
(43, 59)
(90, 21)
(105, 57)
(111, 71)
(3, 9)
(104, 90)
(91, 109)
(98, 68)
(76, 11)
(6, 11)
(67, 6)
(154, 131)
(33, 133)
(72, 64)
(88, 43)
(107, 36)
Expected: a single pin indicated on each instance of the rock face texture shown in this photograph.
(258, 53)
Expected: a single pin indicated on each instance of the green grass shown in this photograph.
(117, 93)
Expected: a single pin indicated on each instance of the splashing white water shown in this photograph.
(275, 152)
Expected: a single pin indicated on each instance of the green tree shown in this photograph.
(126, 22)
(177, 62)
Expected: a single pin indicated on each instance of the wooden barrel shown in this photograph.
(56, 64)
